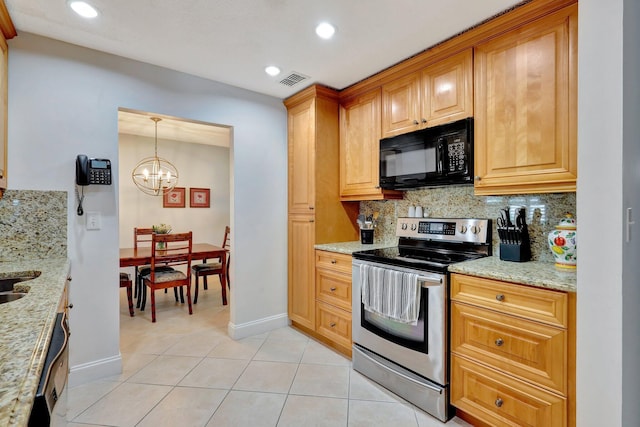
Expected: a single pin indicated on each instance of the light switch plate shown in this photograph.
(94, 220)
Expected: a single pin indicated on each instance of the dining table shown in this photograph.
(136, 257)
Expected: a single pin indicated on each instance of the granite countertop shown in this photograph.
(25, 331)
(351, 247)
(533, 273)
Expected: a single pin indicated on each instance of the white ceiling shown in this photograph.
(231, 41)
(173, 128)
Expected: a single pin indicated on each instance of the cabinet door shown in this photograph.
(401, 106)
(525, 108)
(448, 90)
(360, 149)
(4, 52)
(301, 135)
(301, 302)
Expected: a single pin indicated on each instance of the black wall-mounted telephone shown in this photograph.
(92, 171)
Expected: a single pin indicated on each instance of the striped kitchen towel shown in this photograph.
(389, 293)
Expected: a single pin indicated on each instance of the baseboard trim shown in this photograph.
(256, 327)
(95, 370)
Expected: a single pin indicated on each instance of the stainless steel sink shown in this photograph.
(7, 283)
(10, 296)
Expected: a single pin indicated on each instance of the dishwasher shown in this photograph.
(50, 404)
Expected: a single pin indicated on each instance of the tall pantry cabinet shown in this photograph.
(315, 213)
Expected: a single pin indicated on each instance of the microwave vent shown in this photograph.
(293, 79)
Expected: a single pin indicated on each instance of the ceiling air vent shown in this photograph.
(293, 79)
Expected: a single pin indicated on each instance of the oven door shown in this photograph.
(421, 348)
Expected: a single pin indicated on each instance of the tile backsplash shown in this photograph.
(544, 211)
(33, 224)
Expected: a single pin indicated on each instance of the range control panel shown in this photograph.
(446, 229)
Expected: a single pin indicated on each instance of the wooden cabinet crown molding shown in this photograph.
(314, 91)
(6, 25)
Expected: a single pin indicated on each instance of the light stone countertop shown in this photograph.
(532, 273)
(26, 326)
(351, 247)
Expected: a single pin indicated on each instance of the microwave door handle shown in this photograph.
(440, 157)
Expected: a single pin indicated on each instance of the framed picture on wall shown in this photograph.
(174, 198)
(199, 197)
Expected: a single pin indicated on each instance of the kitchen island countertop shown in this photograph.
(533, 273)
(26, 326)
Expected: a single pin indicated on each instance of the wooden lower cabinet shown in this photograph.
(512, 353)
(333, 300)
(301, 298)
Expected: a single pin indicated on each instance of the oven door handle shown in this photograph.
(403, 376)
(428, 282)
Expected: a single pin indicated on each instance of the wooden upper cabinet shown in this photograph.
(440, 93)
(525, 104)
(301, 130)
(7, 31)
(360, 149)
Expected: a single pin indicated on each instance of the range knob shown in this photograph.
(404, 226)
(414, 227)
(463, 229)
(475, 229)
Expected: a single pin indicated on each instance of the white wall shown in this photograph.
(199, 166)
(608, 376)
(64, 100)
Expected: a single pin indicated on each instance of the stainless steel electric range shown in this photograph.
(409, 355)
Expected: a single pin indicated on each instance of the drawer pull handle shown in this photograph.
(333, 261)
(333, 289)
(499, 342)
(500, 297)
(332, 324)
(499, 402)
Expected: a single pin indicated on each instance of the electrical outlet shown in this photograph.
(93, 220)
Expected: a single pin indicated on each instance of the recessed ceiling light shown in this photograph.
(325, 30)
(272, 70)
(83, 9)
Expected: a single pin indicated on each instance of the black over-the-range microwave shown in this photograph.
(437, 156)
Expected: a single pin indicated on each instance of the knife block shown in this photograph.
(517, 252)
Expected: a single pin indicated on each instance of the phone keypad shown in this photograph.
(456, 156)
(100, 176)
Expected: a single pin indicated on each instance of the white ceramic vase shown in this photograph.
(563, 243)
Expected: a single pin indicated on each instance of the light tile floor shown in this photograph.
(185, 371)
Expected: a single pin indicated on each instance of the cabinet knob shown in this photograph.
(311, 220)
(333, 261)
(499, 342)
(311, 208)
(477, 178)
(70, 306)
(415, 122)
(500, 297)
(424, 120)
(333, 289)
(332, 324)
(499, 402)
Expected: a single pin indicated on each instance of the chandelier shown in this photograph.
(154, 175)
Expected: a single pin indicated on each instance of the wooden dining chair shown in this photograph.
(177, 252)
(143, 237)
(215, 268)
(125, 282)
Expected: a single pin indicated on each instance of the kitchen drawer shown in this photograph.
(542, 305)
(529, 350)
(500, 400)
(334, 324)
(333, 261)
(333, 288)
